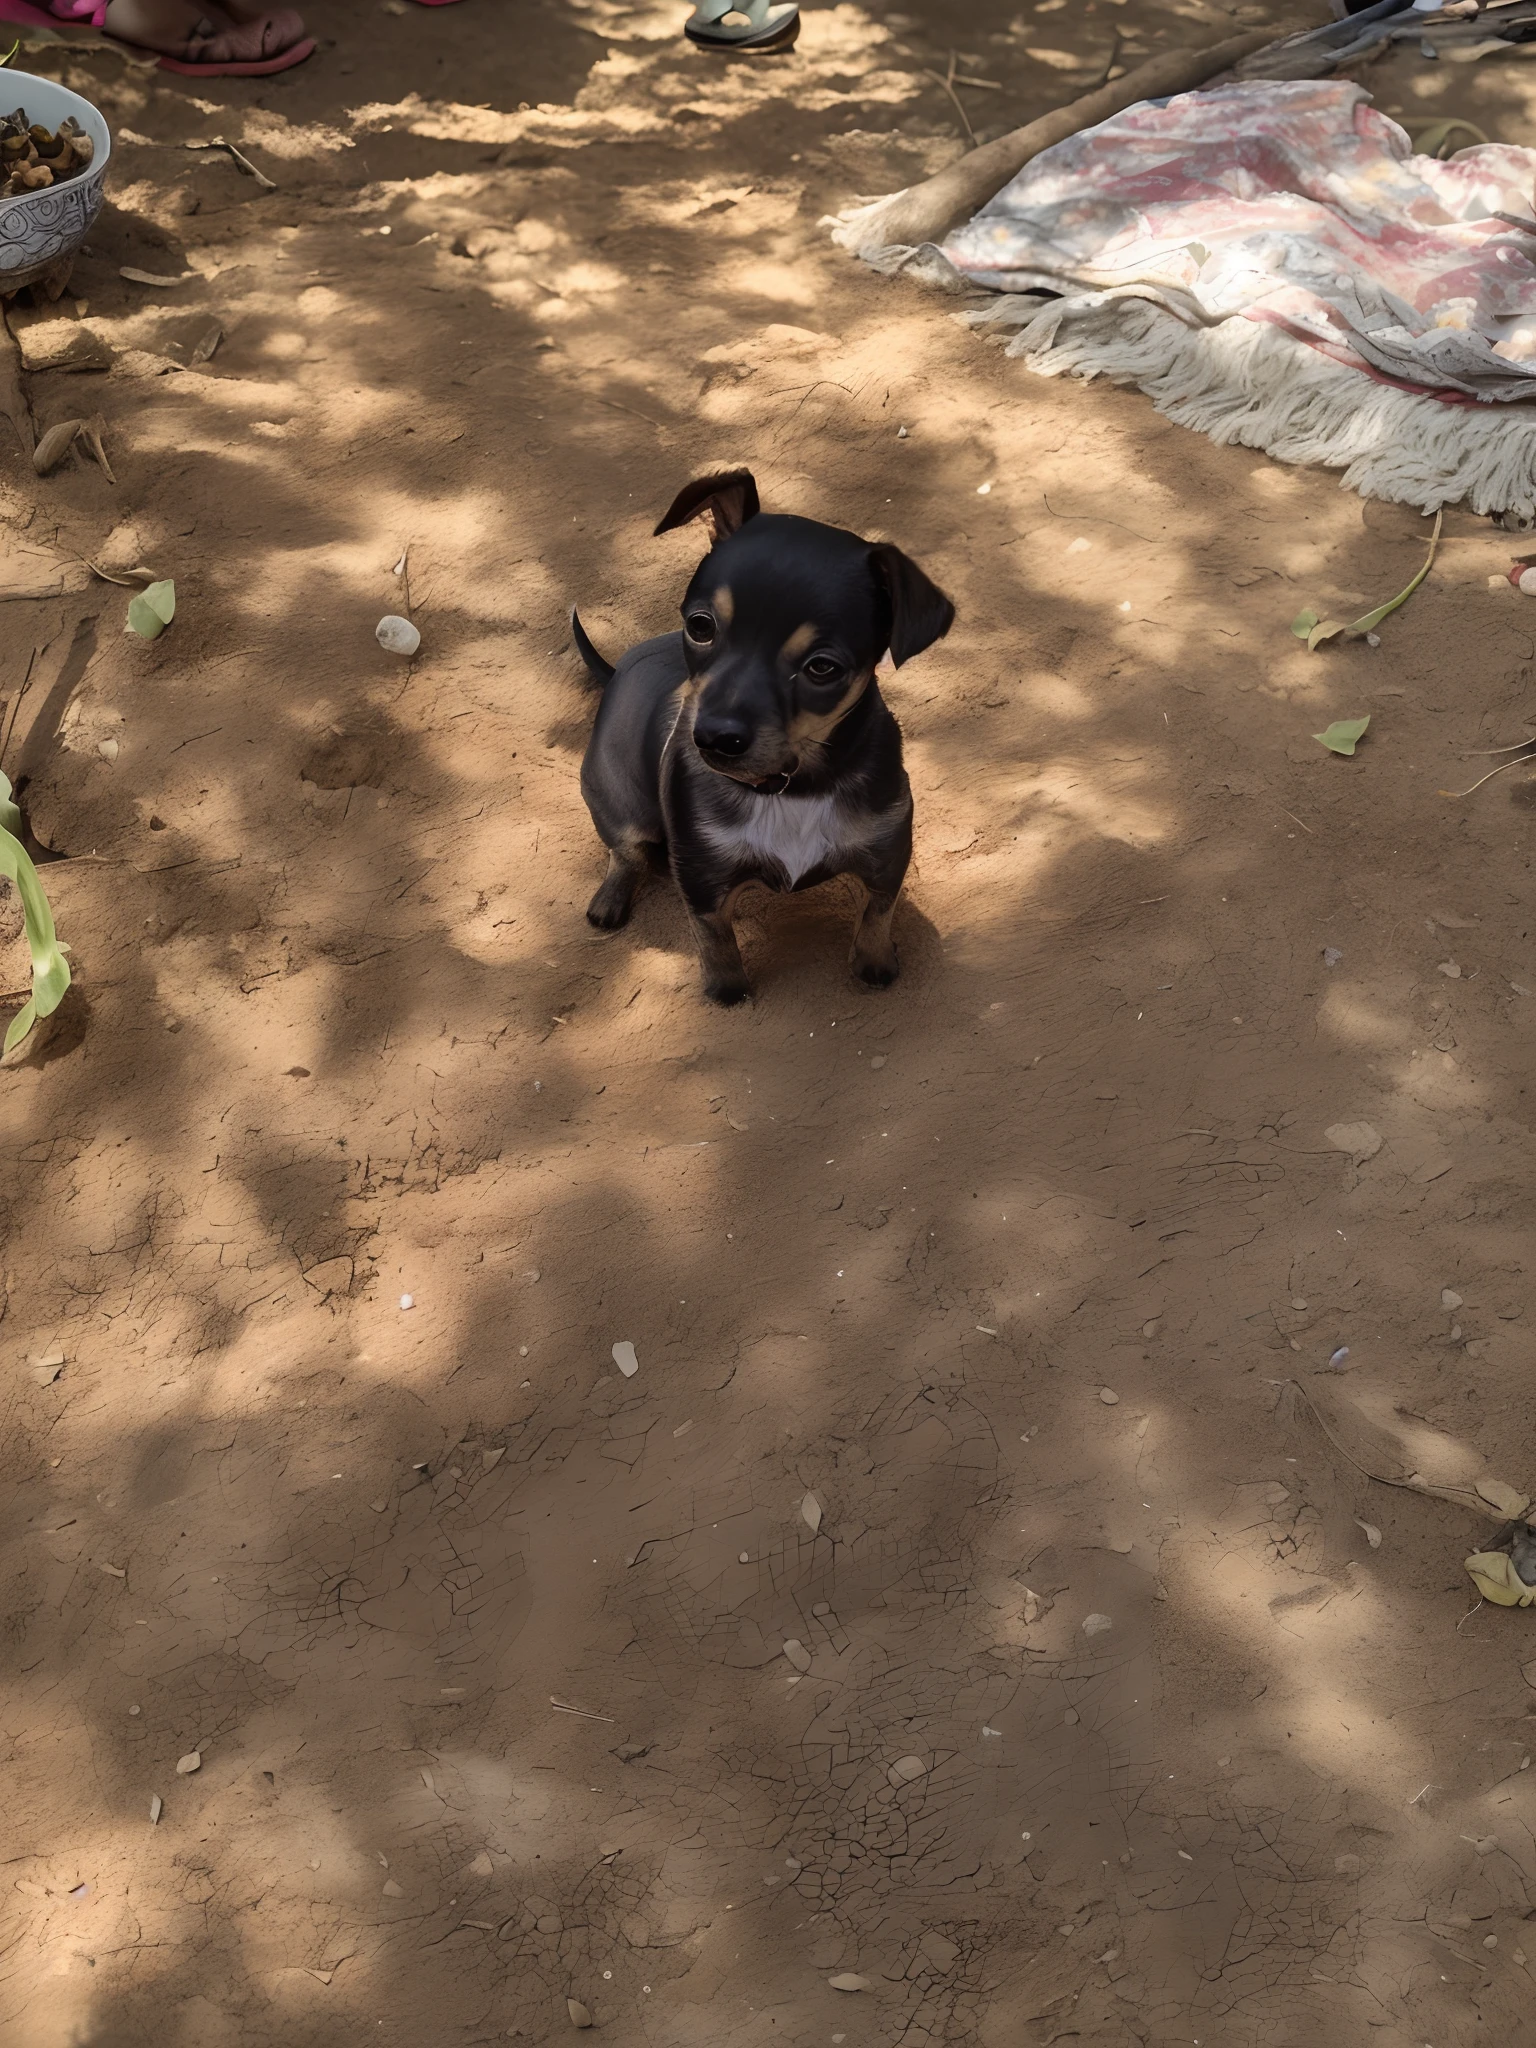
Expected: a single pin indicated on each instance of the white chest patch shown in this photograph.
(796, 833)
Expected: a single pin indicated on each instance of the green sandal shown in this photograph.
(764, 26)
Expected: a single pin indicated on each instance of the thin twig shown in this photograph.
(619, 406)
(947, 85)
(560, 1707)
(1487, 753)
(1530, 749)
(11, 721)
(1297, 821)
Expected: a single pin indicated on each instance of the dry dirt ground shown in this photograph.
(481, 1644)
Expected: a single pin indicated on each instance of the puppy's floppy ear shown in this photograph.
(920, 612)
(726, 502)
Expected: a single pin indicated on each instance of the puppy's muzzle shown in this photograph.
(732, 747)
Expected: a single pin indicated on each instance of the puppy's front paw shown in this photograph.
(610, 908)
(727, 989)
(876, 970)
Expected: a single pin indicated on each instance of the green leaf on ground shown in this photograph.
(50, 970)
(1342, 736)
(152, 610)
(1307, 626)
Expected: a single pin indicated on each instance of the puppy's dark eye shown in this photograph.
(700, 628)
(821, 668)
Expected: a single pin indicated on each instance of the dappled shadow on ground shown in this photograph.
(480, 1643)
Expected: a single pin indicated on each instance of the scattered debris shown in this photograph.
(1371, 1532)
(1336, 1360)
(186, 1765)
(1331, 956)
(45, 1370)
(202, 349)
(242, 163)
(156, 1808)
(580, 2017)
(624, 1358)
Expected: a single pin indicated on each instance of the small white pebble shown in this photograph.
(407, 1301)
(397, 636)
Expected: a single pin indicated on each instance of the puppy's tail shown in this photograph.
(599, 670)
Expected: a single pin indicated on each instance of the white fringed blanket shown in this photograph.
(1274, 266)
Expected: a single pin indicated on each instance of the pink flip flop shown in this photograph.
(92, 13)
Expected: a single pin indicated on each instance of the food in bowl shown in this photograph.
(33, 157)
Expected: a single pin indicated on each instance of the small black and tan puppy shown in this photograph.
(754, 746)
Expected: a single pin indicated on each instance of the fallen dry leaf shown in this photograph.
(55, 445)
(1502, 1497)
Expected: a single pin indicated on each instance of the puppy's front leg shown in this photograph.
(616, 894)
(873, 957)
(725, 978)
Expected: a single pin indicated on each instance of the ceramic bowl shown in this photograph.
(39, 230)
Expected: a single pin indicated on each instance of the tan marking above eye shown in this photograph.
(798, 641)
(725, 605)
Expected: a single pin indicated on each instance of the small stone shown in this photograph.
(580, 2017)
(797, 1653)
(392, 1890)
(1096, 1624)
(847, 1981)
(1109, 1397)
(397, 636)
(407, 1301)
(1070, 1718)
(191, 1762)
(483, 1866)
(1449, 1299)
(878, 1061)
(156, 1808)
(1450, 969)
(1490, 1941)
(907, 1770)
(1361, 1141)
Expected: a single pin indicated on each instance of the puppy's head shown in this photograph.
(783, 624)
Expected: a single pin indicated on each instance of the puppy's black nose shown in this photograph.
(722, 735)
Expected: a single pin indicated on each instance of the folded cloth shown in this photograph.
(1294, 204)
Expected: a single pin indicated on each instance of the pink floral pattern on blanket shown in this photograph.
(1295, 203)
